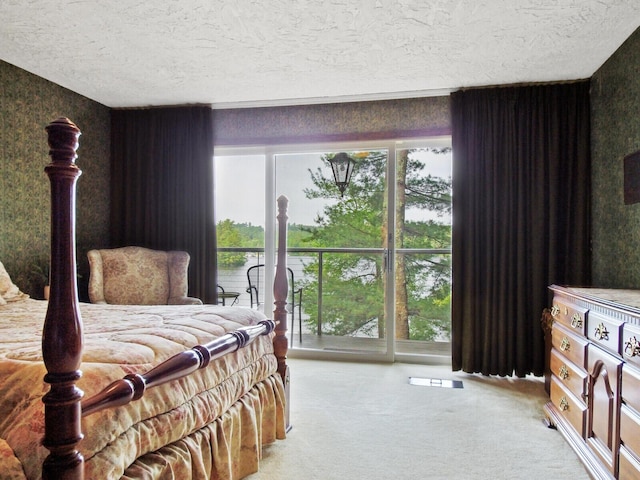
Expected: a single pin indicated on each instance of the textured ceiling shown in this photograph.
(279, 52)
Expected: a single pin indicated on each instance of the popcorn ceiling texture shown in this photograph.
(389, 119)
(274, 52)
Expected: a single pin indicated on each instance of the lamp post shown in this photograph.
(342, 166)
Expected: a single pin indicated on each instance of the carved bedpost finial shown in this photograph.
(63, 140)
(62, 333)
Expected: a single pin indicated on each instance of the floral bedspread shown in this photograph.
(119, 340)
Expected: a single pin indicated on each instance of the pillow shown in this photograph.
(8, 291)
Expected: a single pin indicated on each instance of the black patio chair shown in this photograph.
(255, 276)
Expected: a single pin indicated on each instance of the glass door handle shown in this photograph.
(387, 263)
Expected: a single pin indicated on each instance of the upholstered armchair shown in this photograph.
(139, 276)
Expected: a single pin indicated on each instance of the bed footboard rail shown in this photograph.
(133, 386)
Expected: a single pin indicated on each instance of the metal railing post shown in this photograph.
(319, 293)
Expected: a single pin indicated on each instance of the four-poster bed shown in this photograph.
(127, 394)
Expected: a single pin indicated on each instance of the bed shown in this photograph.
(108, 391)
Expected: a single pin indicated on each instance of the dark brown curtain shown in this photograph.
(521, 218)
(162, 186)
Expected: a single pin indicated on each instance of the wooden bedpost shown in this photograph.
(280, 293)
(62, 333)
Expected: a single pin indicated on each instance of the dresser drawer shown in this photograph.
(570, 375)
(629, 466)
(630, 429)
(631, 344)
(567, 343)
(569, 314)
(571, 408)
(605, 331)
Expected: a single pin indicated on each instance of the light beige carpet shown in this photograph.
(365, 421)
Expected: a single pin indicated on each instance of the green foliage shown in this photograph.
(229, 235)
(299, 235)
(429, 309)
(352, 293)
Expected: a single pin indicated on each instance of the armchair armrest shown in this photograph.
(96, 283)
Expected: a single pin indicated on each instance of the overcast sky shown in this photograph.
(240, 186)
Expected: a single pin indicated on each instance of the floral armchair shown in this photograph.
(139, 276)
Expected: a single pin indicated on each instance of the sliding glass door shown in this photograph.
(371, 265)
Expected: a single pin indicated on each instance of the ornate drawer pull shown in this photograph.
(601, 332)
(632, 347)
(565, 345)
(563, 372)
(576, 321)
(564, 404)
(555, 310)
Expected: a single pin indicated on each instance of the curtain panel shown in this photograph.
(162, 186)
(521, 218)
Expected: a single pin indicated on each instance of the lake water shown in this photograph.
(235, 279)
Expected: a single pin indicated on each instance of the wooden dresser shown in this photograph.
(593, 376)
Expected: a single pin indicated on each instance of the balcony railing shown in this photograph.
(235, 279)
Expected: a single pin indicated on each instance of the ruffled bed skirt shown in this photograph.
(230, 448)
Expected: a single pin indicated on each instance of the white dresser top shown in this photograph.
(625, 302)
(630, 298)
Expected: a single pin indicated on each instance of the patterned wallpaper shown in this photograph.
(388, 119)
(27, 104)
(615, 109)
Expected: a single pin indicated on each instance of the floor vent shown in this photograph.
(435, 382)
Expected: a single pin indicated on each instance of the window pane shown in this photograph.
(240, 220)
(423, 243)
(239, 196)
